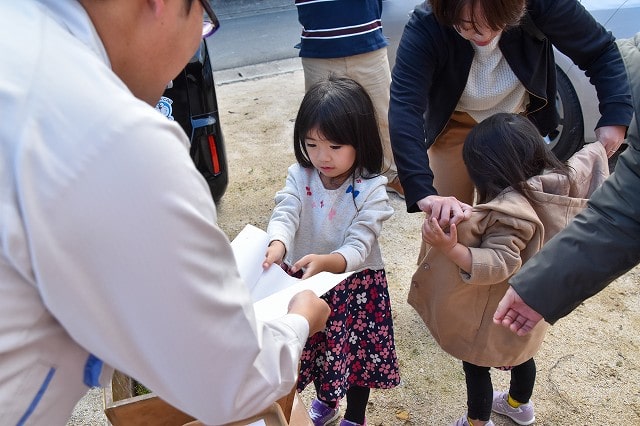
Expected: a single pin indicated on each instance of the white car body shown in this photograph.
(621, 17)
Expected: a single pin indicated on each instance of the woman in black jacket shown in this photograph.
(460, 61)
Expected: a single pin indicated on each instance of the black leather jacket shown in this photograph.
(603, 241)
(433, 63)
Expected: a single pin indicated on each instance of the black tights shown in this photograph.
(480, 389)
(357, 399)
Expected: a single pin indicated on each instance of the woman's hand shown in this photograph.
(446, 210)
(611, 137)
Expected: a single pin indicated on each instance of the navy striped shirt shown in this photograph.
(339, 28)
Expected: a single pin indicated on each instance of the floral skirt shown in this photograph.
(357, 346)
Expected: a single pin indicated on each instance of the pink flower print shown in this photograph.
(325, 387)
(349, 321)
(350, 358)
(341, 309)
(379, 317)
(362, 314)
(367, 281)
(351, 379)
(384, 330)
(384, 368)
(378, 347)
(335, 299)
(382, 304)
(354, 283)
(374, 293)
(385, 352)
(365, 375)
(336, 326)
(359, 325)
(361, 354)
(370, 306)
(306, 355)
(356, 367)
(331, 344)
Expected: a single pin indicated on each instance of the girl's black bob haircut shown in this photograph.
(341, 110)
(504, 151)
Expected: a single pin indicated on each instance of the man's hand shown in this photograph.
(513, 313)
(446, 210)
(314, 309)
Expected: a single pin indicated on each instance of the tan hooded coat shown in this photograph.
(502, 234)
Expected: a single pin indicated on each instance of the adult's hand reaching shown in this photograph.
(513, 313)
(611, 137)
(446, 210)
(314, 309)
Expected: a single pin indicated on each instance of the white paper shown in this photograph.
(272, 289)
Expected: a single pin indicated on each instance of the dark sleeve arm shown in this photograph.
(598, 246)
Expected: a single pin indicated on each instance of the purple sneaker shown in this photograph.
(345, 422)
(321, 414)
(523, 415)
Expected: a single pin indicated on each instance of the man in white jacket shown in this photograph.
(110, 256)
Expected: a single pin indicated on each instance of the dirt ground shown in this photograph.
(588, 368)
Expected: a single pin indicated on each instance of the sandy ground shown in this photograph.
(588, 367)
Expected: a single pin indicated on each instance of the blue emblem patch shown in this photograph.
(165, 106)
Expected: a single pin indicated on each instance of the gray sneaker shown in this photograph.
(523, 415)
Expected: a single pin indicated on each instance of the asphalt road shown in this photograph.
(254, 33)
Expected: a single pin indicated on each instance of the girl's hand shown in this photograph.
(315, 263)
(435, 236)
(275, 253)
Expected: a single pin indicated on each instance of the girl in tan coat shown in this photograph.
(525, 196)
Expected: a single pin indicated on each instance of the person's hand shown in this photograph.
(436, 237)
(611, 137)
(315, 263)
(275, 253)
(446, 210)
(513, 313)
(315, 310)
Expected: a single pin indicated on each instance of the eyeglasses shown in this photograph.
(210, 23)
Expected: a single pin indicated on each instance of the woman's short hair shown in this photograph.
(495, 14)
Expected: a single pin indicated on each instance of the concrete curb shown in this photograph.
(252, 72)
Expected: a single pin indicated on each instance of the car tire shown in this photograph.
(568, 137)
